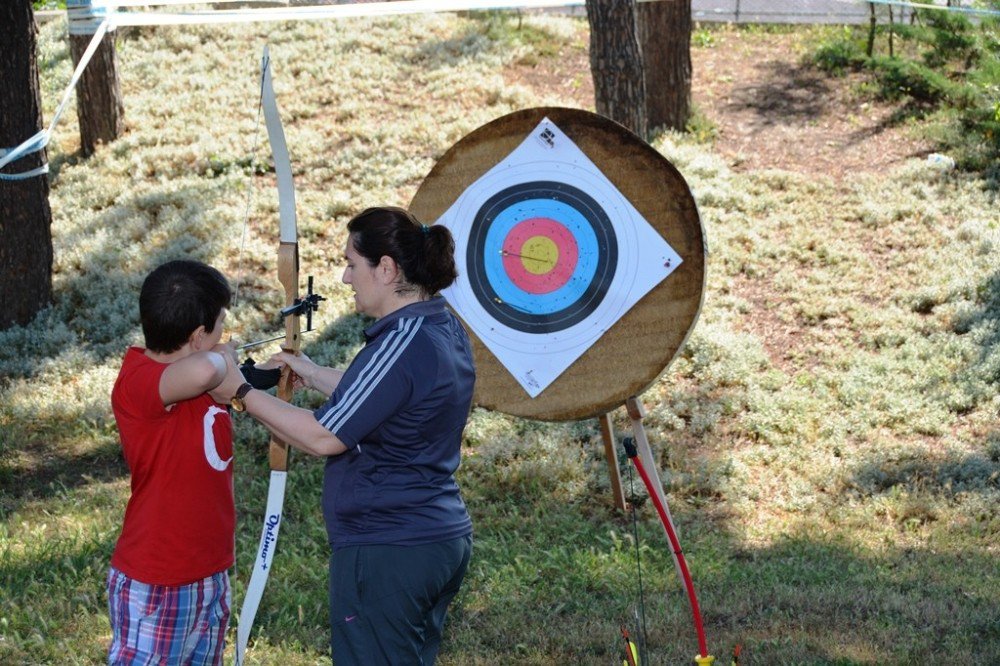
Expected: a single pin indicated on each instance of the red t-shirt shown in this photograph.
(180, 520)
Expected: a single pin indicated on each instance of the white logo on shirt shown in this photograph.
(211, 452)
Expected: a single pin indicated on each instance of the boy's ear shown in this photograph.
(196, 338)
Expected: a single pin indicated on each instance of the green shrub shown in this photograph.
(943, 67)
(839, 56)
(951, 38)
(907, 79)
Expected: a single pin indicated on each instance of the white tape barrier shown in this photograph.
(41, 139)
(97, 17)
(323, 12)
(527, 4)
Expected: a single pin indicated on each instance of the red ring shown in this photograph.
(513, 262)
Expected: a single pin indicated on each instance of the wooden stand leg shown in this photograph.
(610, 452)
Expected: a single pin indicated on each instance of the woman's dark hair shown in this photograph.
(426, 254)
(178, 297)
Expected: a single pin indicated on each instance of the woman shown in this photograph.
(391, 429)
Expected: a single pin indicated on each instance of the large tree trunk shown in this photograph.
(98, 95)
(616, 63)
(25, 217)
(665, 38)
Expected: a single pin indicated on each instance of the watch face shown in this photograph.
(238, 405)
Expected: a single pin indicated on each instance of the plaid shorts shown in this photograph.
(165, 624)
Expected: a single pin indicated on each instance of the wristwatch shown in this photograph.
(237, 402)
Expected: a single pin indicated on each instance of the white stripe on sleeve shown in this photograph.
(374, 371)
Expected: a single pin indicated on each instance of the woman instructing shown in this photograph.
(391, 430)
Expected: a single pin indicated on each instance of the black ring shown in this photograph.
(594, 293)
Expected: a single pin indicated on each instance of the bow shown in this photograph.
(288, 276)
(638, 452)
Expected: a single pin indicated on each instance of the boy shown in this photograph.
(168, 585)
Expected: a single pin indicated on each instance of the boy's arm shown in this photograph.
(192, 376)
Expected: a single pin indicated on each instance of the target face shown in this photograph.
(550, 255)
(541, 256)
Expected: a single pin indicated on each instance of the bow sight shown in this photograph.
(304, 306)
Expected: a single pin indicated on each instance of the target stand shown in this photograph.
(546, 248)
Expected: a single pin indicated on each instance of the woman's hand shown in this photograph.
(303, 368)
(308, 373)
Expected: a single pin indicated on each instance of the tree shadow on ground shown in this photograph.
(800, 93)
(805, 95)
(980, 377)
(948, 477)
(808, 597)
(95, 299)
(39, 460)
(486, 33)
(43, 469)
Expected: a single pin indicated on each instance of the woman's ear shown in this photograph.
(388, 269)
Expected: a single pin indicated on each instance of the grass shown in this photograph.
(827, 439)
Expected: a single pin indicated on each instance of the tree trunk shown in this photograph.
(872, 24)
(892, 50)
(665, 38)
(616, 63)
(25, 217)
(98, 95)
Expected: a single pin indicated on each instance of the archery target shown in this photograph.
(541, 256)
(551, 255)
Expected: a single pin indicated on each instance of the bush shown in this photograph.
(906, 78)
(836, 57)
(943, 66)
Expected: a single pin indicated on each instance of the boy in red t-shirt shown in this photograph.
(168, 585)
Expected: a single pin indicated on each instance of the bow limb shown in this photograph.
(288, 275)
(641, 455)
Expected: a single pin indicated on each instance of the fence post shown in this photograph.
(99, 104)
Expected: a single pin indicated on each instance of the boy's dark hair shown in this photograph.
(178, 297)
(426, 254)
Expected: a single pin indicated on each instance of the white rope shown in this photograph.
(99, 16)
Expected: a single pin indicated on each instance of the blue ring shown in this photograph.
(576, 285)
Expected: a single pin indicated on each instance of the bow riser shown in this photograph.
(288, 276)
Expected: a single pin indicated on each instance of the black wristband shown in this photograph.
(260, 379)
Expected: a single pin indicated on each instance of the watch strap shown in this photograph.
(242, 391)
